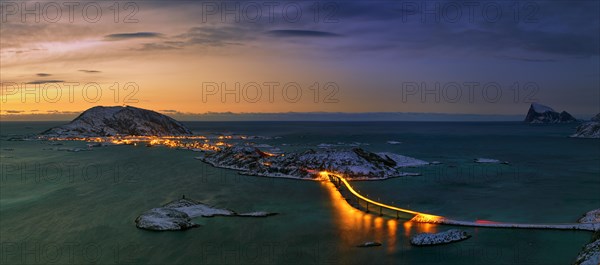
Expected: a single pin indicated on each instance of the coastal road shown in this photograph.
(341, 182)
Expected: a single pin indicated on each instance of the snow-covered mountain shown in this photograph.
(354, 164)
(117, 120)
(589, 129)
(539, 113)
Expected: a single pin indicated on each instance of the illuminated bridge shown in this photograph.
(361, 202)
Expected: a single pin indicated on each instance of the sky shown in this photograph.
(193, 58)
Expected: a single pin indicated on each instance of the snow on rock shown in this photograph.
(403, 161)
(589, 129)
(353, 163)
(590, 254)
(263, 146)
(592, 216)
(178, 214)
(489, 161)
(369, 244)
(409, 174)
(340, 144)
(323, 145)
(256, 214)
(393, 142)
(428, 239)
(164, 219)
(72, 149)
(539, 113)
(537, 107)
(117, 120)
(196, 209)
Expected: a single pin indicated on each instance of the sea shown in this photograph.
(60, 207)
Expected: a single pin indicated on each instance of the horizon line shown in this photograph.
(298, 116)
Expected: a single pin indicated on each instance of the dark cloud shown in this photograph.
(160, 46)
(43, 74)
(206, 36)
(216, 36)
(38, 82)
(90, 71)
(134, 35)
(222, 36)
(548, 28)
(300, 33)
(22, 51)
(564, 28)
(14, 111)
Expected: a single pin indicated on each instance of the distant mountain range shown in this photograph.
(294, 116)
(128, 120)
(117, 120)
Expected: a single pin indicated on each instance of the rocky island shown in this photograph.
(489, 161)
(589, 129)
(429, 239)
(539, 113)
(369, 244)
(178, 214)
(355, 164)
(590, 254)
(103, 121)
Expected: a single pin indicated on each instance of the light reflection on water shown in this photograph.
(56, 211)
(355, 225)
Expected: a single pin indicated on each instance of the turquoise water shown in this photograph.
(73, 208)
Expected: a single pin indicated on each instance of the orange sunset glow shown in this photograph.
(188, 59)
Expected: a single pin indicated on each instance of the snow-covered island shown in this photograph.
(178, 214)
(102, 121)
(539, 113)
(429, 239)
(589, 129)
(590, 254)
(369, 244)
(592, 216)
(354, 164)
(489, 161)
